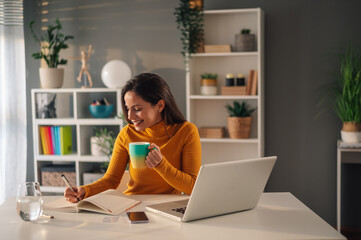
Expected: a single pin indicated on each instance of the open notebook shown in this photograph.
(110, 202)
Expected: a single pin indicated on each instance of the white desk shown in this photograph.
(277, 216)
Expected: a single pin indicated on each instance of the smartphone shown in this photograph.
(137, 217)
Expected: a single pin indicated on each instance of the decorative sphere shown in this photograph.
(115, 74)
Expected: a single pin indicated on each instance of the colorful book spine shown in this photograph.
(57, 140)
(43, 140)
(65, 140)
(50, 142)
(53, 139)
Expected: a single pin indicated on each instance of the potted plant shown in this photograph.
(245, 41)
(209, 83)
(347, 96)
(102, 144)
(239, 120)
(189, 18)
(51, 42)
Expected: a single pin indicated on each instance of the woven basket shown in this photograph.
(351, 127)
(239, 127)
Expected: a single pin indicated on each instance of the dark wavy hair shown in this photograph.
(152, 88)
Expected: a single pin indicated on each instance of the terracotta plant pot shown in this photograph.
(351, 132)
(239, 127)
(351, 127)
(51, 77)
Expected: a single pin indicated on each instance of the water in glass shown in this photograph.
(29, 201)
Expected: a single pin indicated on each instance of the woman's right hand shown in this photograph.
(74, 196)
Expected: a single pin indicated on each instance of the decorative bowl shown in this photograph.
(101, 111)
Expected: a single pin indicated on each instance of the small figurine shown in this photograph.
(84, 68)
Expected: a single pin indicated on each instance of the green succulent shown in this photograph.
(245, 31)
(209, 76)
(239, 109)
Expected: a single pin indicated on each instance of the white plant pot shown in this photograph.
(350, 137)
(95, 149)
(51, 77)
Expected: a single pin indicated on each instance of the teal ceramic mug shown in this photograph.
(138, 151)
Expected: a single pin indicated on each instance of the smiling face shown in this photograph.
(141, 113)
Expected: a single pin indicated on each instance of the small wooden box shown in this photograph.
(217, 48)
(239, 90)
(212, 132)
(51, 175)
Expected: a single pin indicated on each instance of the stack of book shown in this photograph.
(56, 140)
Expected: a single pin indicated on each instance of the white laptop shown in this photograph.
(221, 188)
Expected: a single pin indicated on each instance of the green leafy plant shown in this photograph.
(245, 31)
(239, 109)
(347, 94)
(52, 41)
(209, 76)
(105, 140)
(190, 22)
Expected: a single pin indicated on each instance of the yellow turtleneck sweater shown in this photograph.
(176, 173)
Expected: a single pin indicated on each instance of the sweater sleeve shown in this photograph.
(115, 171)
(183, 180)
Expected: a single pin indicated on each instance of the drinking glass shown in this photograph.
(29, 201)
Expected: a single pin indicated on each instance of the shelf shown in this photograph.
(73, 90)
(222, 97)
(230, 11)
(65, 158)
(54, 121)
(90, 158)
(221, 27)
(231, 54)
(229, 140)
(99, 121)
(71, 105)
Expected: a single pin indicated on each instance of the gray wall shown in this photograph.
(302, 38)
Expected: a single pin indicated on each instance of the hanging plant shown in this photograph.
(189, 18)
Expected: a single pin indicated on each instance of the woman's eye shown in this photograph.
(137, 109)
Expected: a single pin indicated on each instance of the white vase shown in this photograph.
(350, 137)
(51, 77)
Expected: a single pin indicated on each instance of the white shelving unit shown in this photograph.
(220, 27)
(72, 110)
(350, 155)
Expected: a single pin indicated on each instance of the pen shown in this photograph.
(68, 184)
(47, 216)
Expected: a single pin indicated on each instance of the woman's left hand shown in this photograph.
(154, 156)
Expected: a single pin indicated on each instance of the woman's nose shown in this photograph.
(130, 114)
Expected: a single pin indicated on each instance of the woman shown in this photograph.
(175, 156)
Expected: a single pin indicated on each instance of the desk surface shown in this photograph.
(277, 216)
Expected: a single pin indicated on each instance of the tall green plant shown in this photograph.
(190, 22)
(52, 41)
(347, 103)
